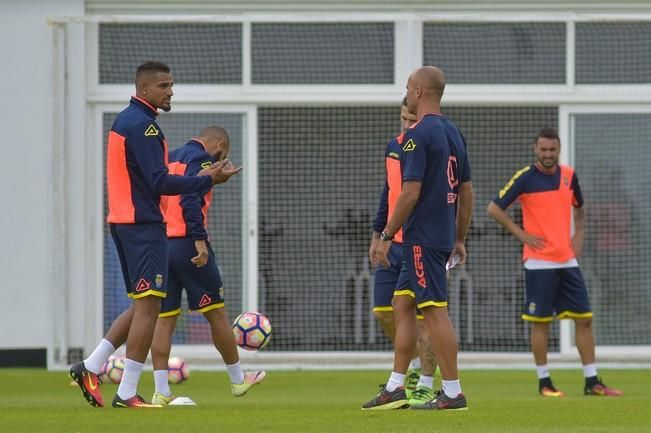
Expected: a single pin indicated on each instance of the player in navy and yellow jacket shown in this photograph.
(192, 267)
(433, 210)
(549, 194)
(137, 177)
(137, 168)
(419, 381)
(385, 278)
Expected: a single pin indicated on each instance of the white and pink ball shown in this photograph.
(252, 330)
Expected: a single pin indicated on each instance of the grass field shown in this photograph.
(37, 401)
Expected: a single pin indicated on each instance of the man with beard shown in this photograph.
(137, 177)
(550, 196)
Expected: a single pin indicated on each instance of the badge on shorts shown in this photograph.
(158, 281)
(142, 285)
(532, 308)
(221, 292)
(205, 300)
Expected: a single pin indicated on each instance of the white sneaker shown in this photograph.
(251, 378)
(161, 399)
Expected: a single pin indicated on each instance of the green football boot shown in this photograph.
(420, 397)
(411, 381)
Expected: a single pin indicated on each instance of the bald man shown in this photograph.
(419, 381)
(433, 209)
(192, 267)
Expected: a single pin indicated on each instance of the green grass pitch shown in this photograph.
(37, 401)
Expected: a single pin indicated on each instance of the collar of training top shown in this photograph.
(141, 102)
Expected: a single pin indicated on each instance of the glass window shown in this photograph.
(321, 172)
(196, 53)
(612, 53)
(613, 155)
(320, 53)
(499, 53)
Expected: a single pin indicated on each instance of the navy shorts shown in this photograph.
(142, 249)
(385, 280)
(423, 276)
(203, 286)
(559, 293)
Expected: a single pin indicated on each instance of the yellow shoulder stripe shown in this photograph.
(510, 183)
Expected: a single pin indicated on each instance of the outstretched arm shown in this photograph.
(150, 157)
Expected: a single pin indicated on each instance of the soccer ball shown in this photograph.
(112, 370)
(252, 331)
(177, 370)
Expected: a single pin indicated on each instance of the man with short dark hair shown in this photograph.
(137, 177)
(550, 196)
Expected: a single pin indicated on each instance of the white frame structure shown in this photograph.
(567, 113)
(408, 48)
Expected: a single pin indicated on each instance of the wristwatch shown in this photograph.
(385, 237)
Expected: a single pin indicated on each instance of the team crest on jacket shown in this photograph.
(409, 146)
(151, 131)
(206, 164)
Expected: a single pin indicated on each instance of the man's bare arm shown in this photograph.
(501, 217)
(464, 210)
